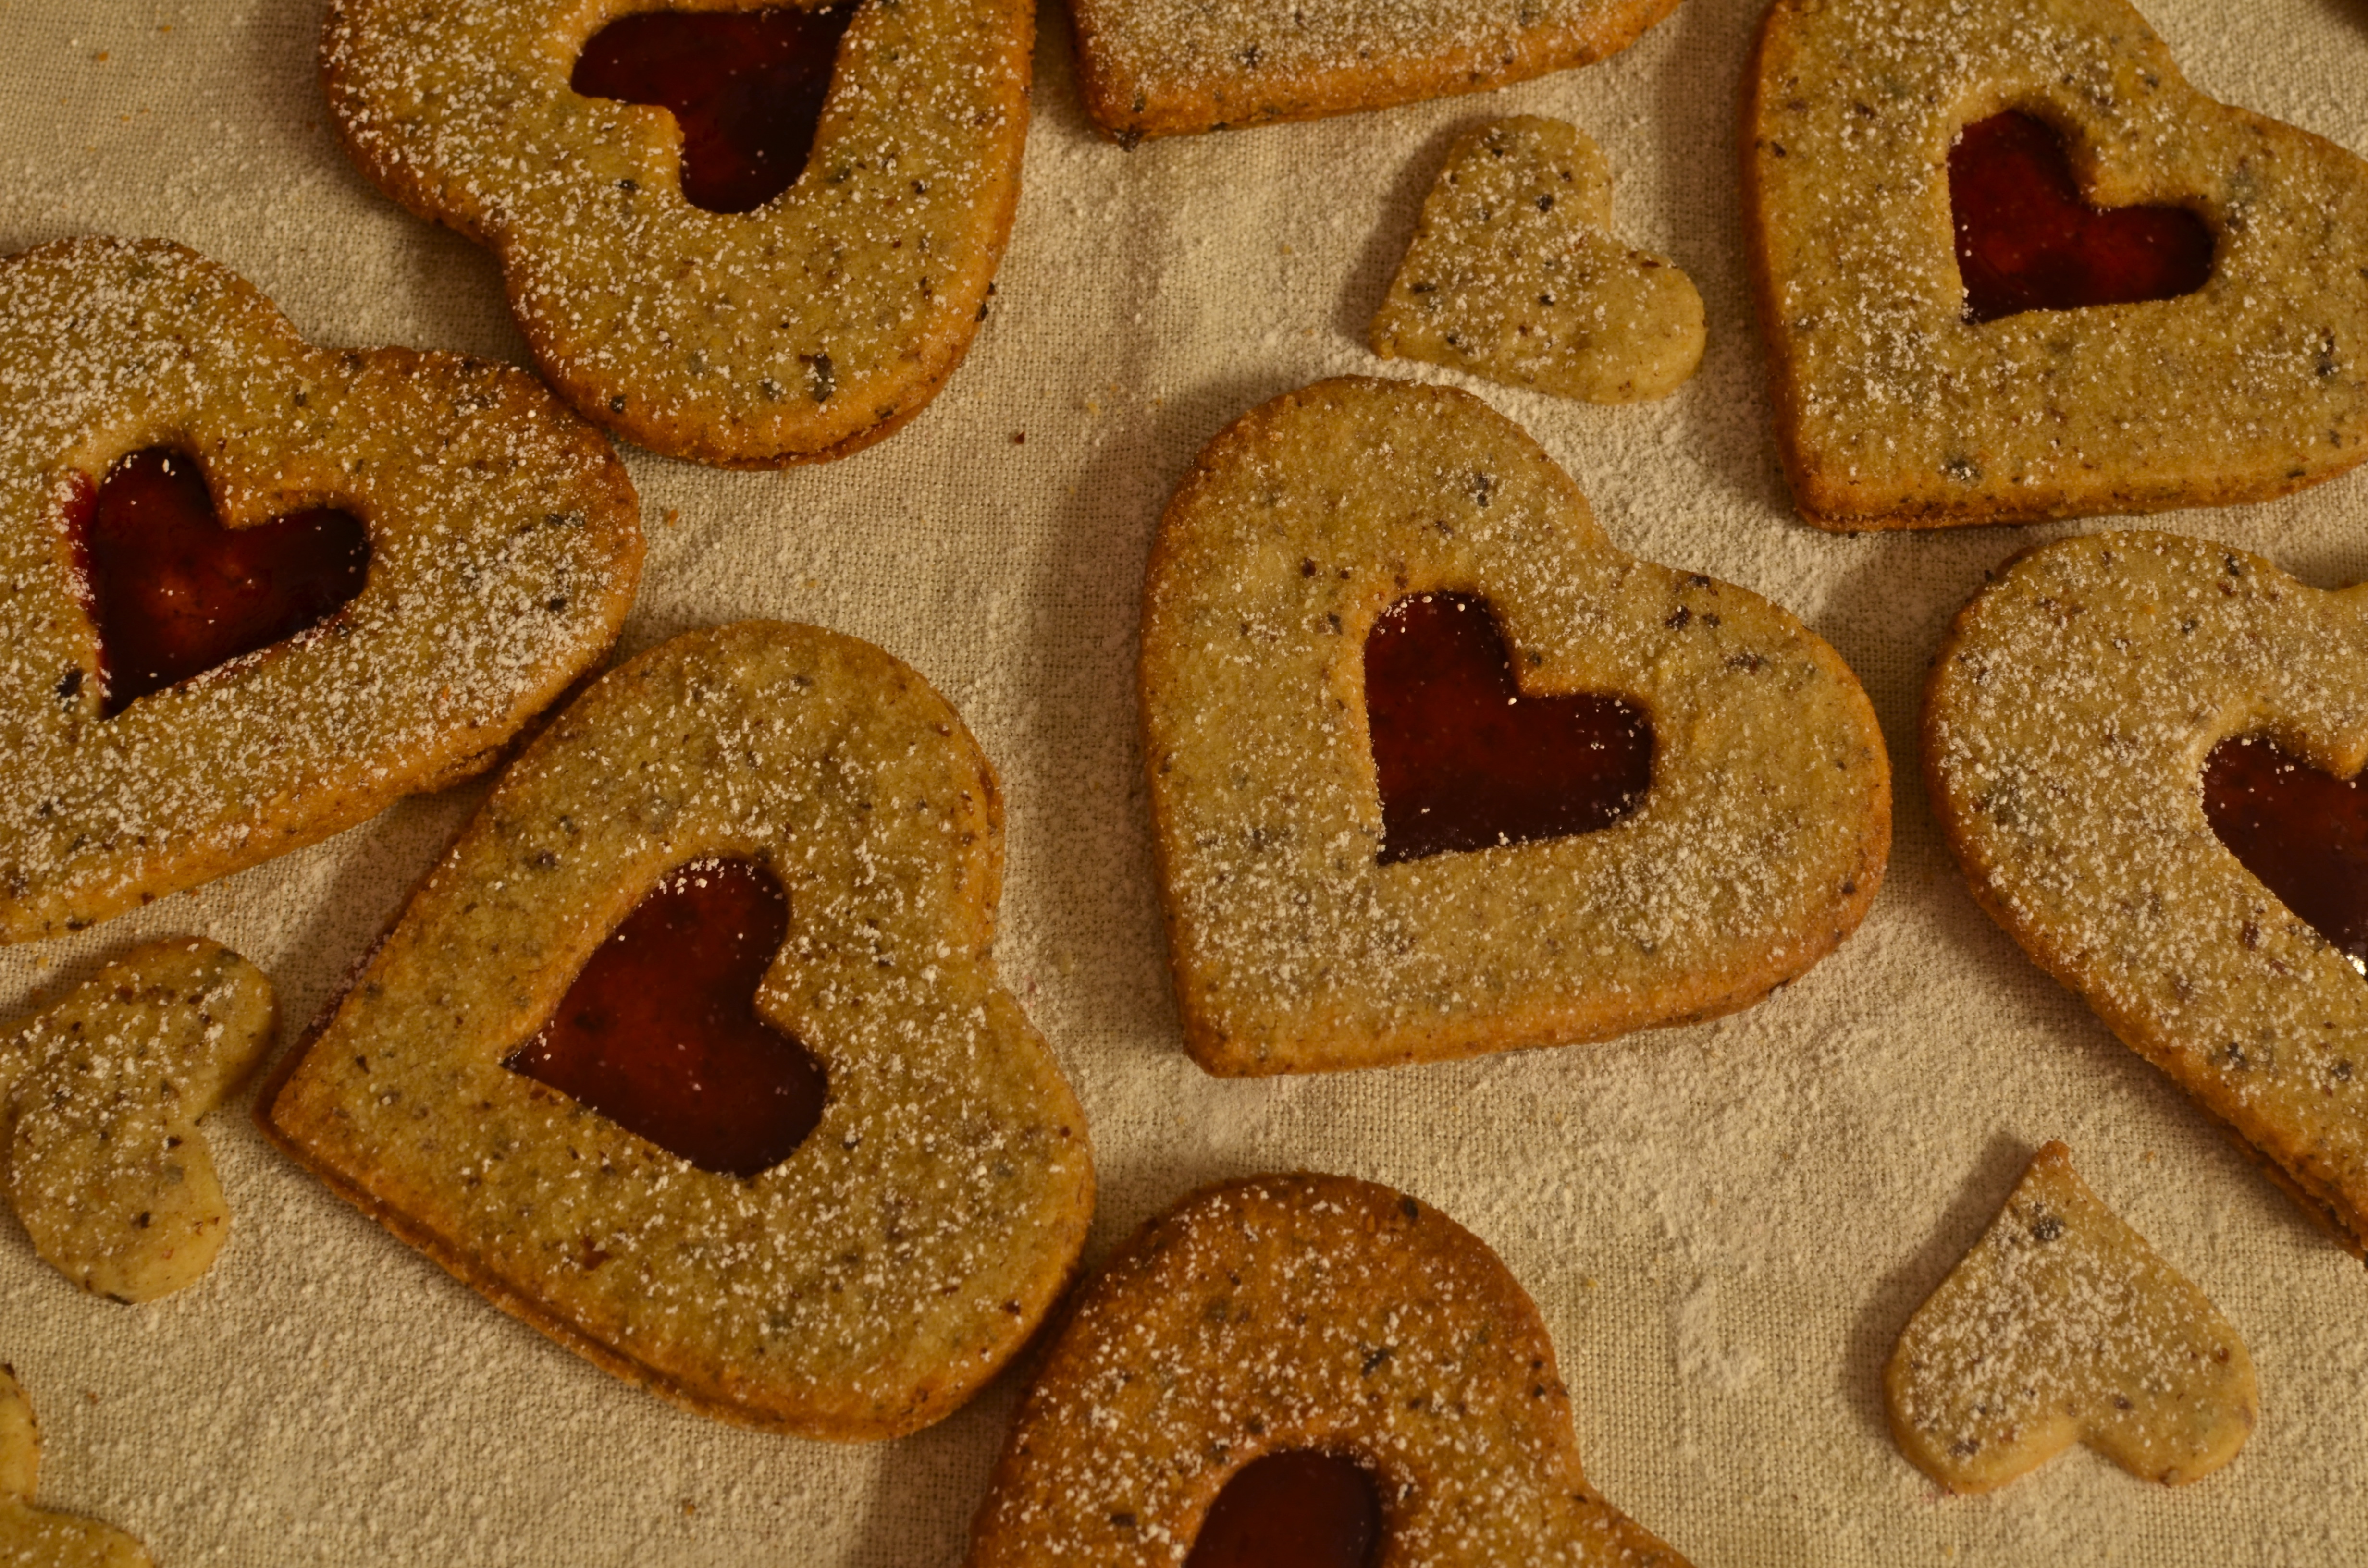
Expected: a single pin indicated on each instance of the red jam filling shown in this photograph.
(174, 592)
(1465, 760)
(660, 1032)
(2302, 832)
(745, 86)
(1299, 1508)
(2026, 239)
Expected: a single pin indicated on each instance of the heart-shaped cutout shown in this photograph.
(745, 86)
(1465, 761)
(174, 592)
(1311, 924)
(2302, 832)
(2077, 753)
(1381, 1349)
(1299, 1508)
(660, 1032)
(35, 1535)
(2026, 241)
(1896, 407)
(2064, 1326)
(868, 1283)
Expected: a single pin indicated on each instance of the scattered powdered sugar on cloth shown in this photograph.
(1726, 1226)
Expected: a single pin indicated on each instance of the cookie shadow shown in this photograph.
(1905, 1285)
(918, 1502)
(1385, 247)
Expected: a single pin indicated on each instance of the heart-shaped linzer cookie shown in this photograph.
(1513, 275)
(687, 272)
(864, 1280)
(260, 590)
(2063, 1325)
(36, 1536)
(1301, 1371)
(2084, 750)
(746, 87)
(174, 592)
(1914, 392)
(1313, 921)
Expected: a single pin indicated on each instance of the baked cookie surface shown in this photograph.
(1513, 275)
(802, 331)
(1293, 1312)
(2064, 1325)
(1293, 946)
(1893, 410)
(505, 547)
(867, 1284)
(2067, 724)
(100, 1095)
(1166, 67)
(36, 1537)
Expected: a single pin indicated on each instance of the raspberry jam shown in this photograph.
(1465, 760)
(2302, 832)
(660, 1032)
(745, 86)
(1299, 1508)
(173, 592)
(2026, 239)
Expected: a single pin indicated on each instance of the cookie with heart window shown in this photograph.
(1434, 769)
(2143, 749)
(742, 233)
(2011, 266)
(2061, 1326)
(35, 1535)
(1303, 1370)
(691, 1053)
(1168, 67)
(254, 592)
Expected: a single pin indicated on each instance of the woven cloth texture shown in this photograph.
(1725, 1225)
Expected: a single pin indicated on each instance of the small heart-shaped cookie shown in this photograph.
(37, 1537)
(1166, 67)
(1302, 934)
(2063, 1325)
(1295, 1355)
(804, 328)
(1897, 406)
(868, 1283)
(504, 546)
(1512, 276)
(99, 1099)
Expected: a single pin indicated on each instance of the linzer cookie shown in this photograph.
(100, 1093)
(36, 1536)
(2064, 1326)
(1513, 275)
(739, 234)
(254, 591)
(2128, 741)
(1306, 1359)
(1165, 67)
(1436, 771)
(2010, 266)
(691, 1052)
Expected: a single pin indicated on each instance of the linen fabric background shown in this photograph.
(1724, 1225)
